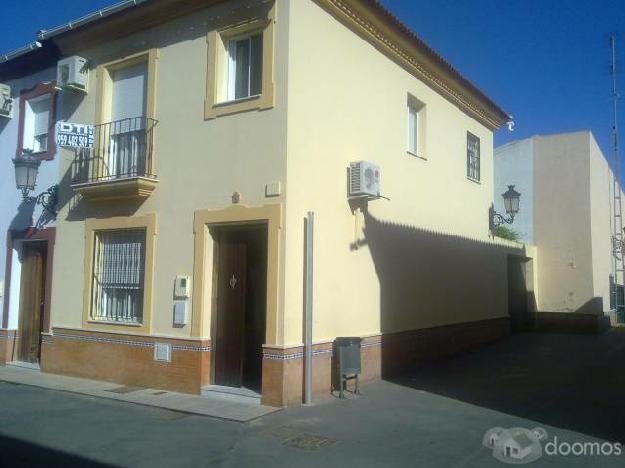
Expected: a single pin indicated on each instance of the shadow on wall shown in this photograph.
(439, 293)
(79, 209)
(23, 219)
(17, 453)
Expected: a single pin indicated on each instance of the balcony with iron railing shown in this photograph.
(120, 164)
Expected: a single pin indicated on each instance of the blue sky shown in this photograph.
(546, 62)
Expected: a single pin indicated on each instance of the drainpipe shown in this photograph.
(310, 222)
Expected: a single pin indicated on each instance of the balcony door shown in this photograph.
(126, 155)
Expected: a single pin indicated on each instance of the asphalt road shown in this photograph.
(436, 416)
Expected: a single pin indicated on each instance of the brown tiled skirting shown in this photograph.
(126, 359)
(8, 339)
(129, 359)
(571, 322)
(382, 355)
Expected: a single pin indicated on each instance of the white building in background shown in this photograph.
(25, 227)
(567, 212)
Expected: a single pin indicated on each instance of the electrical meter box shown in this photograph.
(180, 313)
(182, 287)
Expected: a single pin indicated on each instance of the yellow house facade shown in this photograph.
(179, 255)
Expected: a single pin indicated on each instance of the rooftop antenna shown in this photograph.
(617, 225)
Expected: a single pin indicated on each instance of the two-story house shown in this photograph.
(28, 109)
(218, 125)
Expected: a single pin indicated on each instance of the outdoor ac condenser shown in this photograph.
(6, 101)
(364, 180)
(72, 73)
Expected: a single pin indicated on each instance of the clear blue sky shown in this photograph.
(546, 62)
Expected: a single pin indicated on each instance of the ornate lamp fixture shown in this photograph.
(26, 171)
(511, 199)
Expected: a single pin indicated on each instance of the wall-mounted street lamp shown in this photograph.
(26, 170)
(511, 199)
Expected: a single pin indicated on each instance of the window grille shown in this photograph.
(118, 276)
(473, 157)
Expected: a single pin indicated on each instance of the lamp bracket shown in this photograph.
(47, 199)
(495, 219)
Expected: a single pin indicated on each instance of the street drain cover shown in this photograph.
(309, 442)
(125, 389)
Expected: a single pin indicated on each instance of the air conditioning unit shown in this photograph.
(6, 101)
(72, 73)
(364, 180)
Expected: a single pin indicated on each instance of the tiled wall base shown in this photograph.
(8, 342)
(129, 359)
(571, 322)
(126, 359)
(382, 355)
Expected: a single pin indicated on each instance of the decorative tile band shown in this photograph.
(296, 355)
(272, 356)
(142, 344)
(371, 344)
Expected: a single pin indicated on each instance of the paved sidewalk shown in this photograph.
(217, 405)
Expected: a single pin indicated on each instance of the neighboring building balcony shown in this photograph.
(120, 164)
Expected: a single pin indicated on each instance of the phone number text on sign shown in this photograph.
(74, 135)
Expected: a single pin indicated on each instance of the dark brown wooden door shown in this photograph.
(32, 294)
(230, 324)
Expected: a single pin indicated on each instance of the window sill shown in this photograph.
(410, 153)
(118, 324)
(476, 181)
(256, 102)
(46, 155)
(236, 101)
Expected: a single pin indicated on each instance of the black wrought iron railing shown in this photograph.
(122, 149)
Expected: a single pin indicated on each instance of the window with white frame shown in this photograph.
(416, 127)
(473, 157)
(118, 276)
(37, 123)
(244, 71)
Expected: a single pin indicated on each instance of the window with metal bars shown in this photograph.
(473, 157)
(118, 276)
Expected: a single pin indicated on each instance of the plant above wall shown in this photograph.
(506, 233)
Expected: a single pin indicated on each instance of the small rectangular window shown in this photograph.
(413, 129)
(415, 144)
(37, 123)
(245, 58)
(473, 157)
(118, 276)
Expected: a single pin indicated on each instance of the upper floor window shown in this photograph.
(473, 157)
(241, 64)
(125, 119)
(36, 121)
(129, 91)
(245, 67)
(413, 128)
(416, 127)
